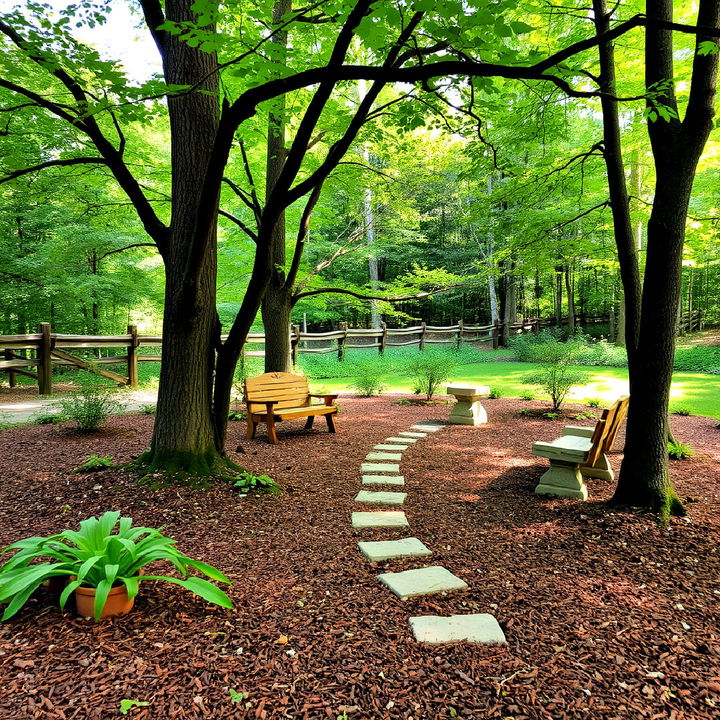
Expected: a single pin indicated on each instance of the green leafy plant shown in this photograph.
(48, 418)
(680, 451)
(594, 402)
(126, 705)
(556, 374)
(495, 393)
(237, 697)
(94, 463)
(527, 396)
(404, 401)
(551, 415)
(247, 482)
(429, 370)
(90, 407)
(367, 378)
(584, 416)
(95, 556)
(235, 415)
(525, 411)
(149, 409)
(683, 411)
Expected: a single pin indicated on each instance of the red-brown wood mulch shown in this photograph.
(607, 615)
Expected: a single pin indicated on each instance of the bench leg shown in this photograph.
(564, 480)
(330, 422)
(309, 422)
(272, 435)
(251, 428)
(601, 469)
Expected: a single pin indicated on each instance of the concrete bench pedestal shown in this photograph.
(468, 410)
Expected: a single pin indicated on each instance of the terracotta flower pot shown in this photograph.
(117, 602)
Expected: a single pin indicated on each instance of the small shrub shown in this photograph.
(683, 411)
(94, 463)
(584, 416)
(679, 451)
(551, 415)
(525, 411)
(235, 415)
(594, 402)
(495, 393)
(556, 375)
(527, 396)
(48, 418)
(367, 377)
(150, 409)
(90, 408)
(429, 370)
(247, 482)
(408, 401)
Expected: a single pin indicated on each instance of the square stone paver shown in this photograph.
(383, 480)
(426, 428)
(381, 498)
(384, 456)
(390, 549)
(390, 446)
(422, 581)
(404, 440)
(370, 468)
(436, 630)
(412, 434)
(379, 519)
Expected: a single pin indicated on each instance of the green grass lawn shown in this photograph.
(698, 392)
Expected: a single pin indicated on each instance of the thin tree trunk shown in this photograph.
(570, 298)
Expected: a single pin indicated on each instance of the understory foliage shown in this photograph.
(679, 451)
(90, 407)
(429, 370)
(556, 374)
(367, 377)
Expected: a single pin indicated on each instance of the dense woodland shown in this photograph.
(470, 160)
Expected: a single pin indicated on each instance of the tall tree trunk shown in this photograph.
(184, 437)
(558, 294)
(677, 147)
(570, 297)
(277, 303)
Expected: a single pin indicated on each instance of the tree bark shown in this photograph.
(570, 298)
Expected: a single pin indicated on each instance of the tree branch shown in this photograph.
(53, 163)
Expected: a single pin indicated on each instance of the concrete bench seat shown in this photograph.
(580, 452)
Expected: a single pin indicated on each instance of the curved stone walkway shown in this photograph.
(382, 467)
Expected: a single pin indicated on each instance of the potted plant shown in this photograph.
(103, 568)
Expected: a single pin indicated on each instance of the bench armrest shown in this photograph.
(577, 430)
(325, 396)
(262, 401)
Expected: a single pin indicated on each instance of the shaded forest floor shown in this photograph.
(606, 614)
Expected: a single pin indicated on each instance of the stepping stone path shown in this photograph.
(431, 629)
(381, 498)
(383, 480)
(386, 519)
(481, 628)
(383, 456)
(422, 581)
(392, 549)
(380, 467)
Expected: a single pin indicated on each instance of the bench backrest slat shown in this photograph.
(607, 428)
(286, 389)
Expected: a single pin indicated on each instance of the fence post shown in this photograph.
(461, 330)
(496, 335)
(132, 356)
(383, 337)
(44, 368)
(294, 342)
(11, 374)
(341, 341)
(422, 336)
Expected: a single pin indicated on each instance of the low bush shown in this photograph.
(594, 402)
(429, 370)
(527, 396)
(495, 393)
(698, 359)
(246, 482)
(149, 409)
(680, 451)
(367, 377)
(236, 415)
(48, 418)
(90, 407)
(683, 411)
(94, 463)
(556, 375)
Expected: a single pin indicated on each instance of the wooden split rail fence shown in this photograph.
(35, 355)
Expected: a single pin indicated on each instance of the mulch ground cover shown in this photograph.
(607, 615)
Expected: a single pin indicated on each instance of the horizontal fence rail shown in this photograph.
(49, 349)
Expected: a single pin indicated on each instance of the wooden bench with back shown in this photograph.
(580, 452)
(274, 397)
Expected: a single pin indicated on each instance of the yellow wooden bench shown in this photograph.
(580, 452)
(274, 397)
